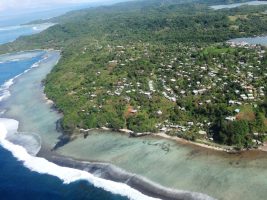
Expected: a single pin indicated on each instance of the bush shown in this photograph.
(233, 133)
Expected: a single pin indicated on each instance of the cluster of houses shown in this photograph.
(179, 74)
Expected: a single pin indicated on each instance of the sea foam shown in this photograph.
(8, 130)
(9, 127)
(4, 89)
(9, 28)
(35, 27)
(66, 174)
(16, 57)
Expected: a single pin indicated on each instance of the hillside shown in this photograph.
(158, 65)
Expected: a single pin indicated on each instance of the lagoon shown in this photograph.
(28, 104)
(10, 33)
(249, 3)
(261, 40)
(183, 167)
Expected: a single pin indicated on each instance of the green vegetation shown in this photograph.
(159, 66)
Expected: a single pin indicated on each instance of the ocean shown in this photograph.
(10, 33)
(25, 176)
(16, 180)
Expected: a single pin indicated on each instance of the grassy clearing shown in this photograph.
(246, 113)
(236, 17)
(217, 50)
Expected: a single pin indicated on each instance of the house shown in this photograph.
(182, 92)
(159, 112)
(112, 63)
(133, 111)
(237, 110)
(202, 132)
(231, 102)
(244, 97)
(231, 118)
(119, 48)
(190, 123)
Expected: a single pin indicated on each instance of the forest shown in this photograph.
(159, 66)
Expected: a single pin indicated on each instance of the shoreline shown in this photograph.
(113, 173)
(28, 51)
(214, 146)
(86, 132)
(184, 141)
(242, 41)
(262, 148)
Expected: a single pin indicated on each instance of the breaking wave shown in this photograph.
(8, 129)
(25, 147)
(66, 174)
(35, 27)
(9, 28)
(4, 89)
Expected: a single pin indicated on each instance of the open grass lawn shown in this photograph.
(246, 113)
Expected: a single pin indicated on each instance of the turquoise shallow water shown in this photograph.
(218, 174)
(27, 104)
(10, 33)
(17, 181)
(252, 40)
(186, 167)
(234, 5)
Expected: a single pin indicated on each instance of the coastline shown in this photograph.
(212, 146)
(184, 141)
(159, 135)
(204, 144)
(263, 147)
(28, 51)
(113, 173)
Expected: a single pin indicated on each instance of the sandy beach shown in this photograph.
(184, 141)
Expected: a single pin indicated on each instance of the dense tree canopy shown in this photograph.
(154, 65)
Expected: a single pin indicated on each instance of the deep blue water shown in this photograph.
(9, 70)
(18, 182)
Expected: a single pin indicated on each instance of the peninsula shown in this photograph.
(159, 66)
